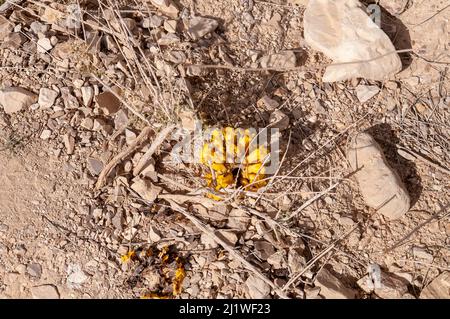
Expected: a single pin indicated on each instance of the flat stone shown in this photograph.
(145, 189)
(365, 92)
(45, 135)
(257, 288)
(267, 103)
(45, 292)
(14, 99)
(379, 184)
(6, 27)
(279, 120)
(439, 288)
(343, 31)
(44, 45)
(198, 27)
(87, 93)
(47, 98)
(331, 287)
(34, 270)
(167, 8)
(69, 143)
(280, 60)
(94, 166)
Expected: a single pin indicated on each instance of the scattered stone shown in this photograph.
(108, 102)
(279, 120)
(392, 286)
(154, 235)
(198, 27)
(439, 288)
(87, 94)
(152, 22)
(331, 287)
(380, 186)
(168, 39)
(94, 166)
(45, 135)
(51, 15)
(145, 189)
(76, 277)
(263, 249)
(278, 260)
(421, 253)
(170, 26)
(333, 27)
(13, 41)
(6, 27)
(45, 292)
(365, 92)
(167, 8)
(257, 288)
(281, 60)
(47, 98)
(228, 236)
(44, 45)
(14, 99)
(87, 123)
(38, 27)
(296, 261)
(69, 143)
(34, 270)
(267, 103)
(130, 136)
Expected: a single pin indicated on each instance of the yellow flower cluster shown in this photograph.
(231, 157)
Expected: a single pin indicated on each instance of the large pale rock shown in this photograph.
(5, 27)
(331, 287)
(439, 288)
(380, 186)
(343, 31)
(14, 99)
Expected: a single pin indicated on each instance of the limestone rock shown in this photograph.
(200, 26)
(439, 288)
(44, 45)
(257, 288)
(365, 92)
(14, 99)
(45, 292)
(380, 186)
(331, 287)
(280, 60)
(47, 98)
(5, 27)
(279, 120)
(343, 31)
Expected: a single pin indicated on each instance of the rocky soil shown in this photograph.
(93, 203)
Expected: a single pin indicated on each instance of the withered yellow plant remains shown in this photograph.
(232, 160)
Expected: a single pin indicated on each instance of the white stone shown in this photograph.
(14, 99)
(44, 45)
(257, 288)
(380, 186)
(45, 135)
(280, 60)
(87, 93)
(200, 26)
(45, 292)
(365, 92)
(343, 31)
(47, 98)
